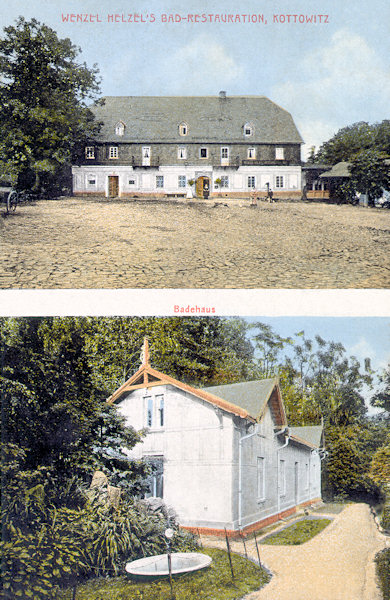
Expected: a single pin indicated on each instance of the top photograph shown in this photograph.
(194, 145)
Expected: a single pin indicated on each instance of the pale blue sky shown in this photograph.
(327, 75)
(362, 337)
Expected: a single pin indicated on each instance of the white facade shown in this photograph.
(220, 470)
(94, 179)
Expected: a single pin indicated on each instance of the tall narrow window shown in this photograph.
(160, 408)
(182, 152)
(203, 153)
(182, 181)
(251, 153)
(279, 181)
(260, 478)
(224, 153)
(149, 413)
(279, 153)
(251, 181)
(282, 477)
(159, 181)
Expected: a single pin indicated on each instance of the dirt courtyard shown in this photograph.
(100, 243)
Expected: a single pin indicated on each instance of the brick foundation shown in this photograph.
(251, 528)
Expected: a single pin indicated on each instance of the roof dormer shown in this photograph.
(120, 128)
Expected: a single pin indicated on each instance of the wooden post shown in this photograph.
(243, 541)
(228, 549)
(257, 548)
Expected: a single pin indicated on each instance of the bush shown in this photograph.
(382, 560)
(385, 518)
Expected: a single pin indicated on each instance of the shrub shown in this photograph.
(382, 560)
(385, 518)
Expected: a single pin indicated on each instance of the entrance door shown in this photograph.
(203, 187)
(113, 186)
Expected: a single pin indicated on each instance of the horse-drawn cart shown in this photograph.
(8, 195)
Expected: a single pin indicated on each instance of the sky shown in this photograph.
(327, 74)
(362, 337)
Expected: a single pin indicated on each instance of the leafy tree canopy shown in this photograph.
(349, 141)
(43, 97)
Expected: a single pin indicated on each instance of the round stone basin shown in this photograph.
(157, 566)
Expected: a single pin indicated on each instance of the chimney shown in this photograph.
(222, 94)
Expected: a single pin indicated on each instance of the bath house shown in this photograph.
(162, 146)
(225, 455)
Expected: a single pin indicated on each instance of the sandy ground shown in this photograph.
(337, 564)
(97, 243)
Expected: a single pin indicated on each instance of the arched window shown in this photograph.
(248, 129)
(183, 129)
(120, 128)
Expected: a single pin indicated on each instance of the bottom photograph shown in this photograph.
(195, 457)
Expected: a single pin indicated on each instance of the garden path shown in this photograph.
(337, 564)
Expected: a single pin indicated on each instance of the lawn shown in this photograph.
(213, 583)
(298, 533)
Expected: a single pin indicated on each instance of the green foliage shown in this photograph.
(385, 517)
(349, 141)
(43, 100)
(370, 174)
(382, 397)
(350, 449)
(298, 533)
(382, 560)
(209, 584)
(380, 467)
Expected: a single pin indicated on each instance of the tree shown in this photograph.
(349, 141)
(382, 397)
(43, 98)
(370, 174)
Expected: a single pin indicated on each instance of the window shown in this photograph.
(282, 477)
(251, 181)
(89, 152)
(160, 409)
(183, 129)
(182, 181)
(260, 478)
(91, 180)
(113, 152)
(251, 153)
(149, 413)
(131, 181)
(154, 411)
(279, 153)
(224, 181)
(248, 129)
(182, 152)
(120, 128)
(224, 153)
(279, 181)
(156, 479)
(203, 153)
(159, 181)
(307, 476)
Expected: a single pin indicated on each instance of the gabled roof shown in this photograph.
(340, 169)
(147, 377)
(254, 396)
(312, 435)
(153, 119)
(247, 400)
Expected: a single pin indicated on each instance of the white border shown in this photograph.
(162, 302)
